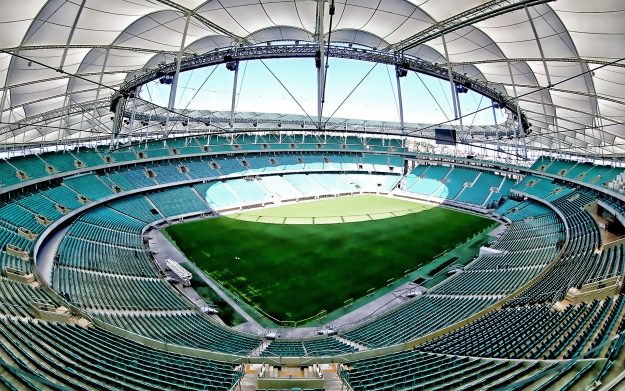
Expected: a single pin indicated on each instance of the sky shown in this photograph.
(425, 99)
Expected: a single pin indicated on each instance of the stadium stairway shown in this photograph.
(332, 381)
(351, 343)
(249, 382)
(258, 351)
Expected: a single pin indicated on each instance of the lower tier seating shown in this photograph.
(416, 318)
(69, 356)
(309, 347)
(416, 370)
(187, 329)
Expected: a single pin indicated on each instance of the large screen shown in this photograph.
(445, 136)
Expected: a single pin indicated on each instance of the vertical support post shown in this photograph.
(118, 119)
(320, 60)
(234, 93)
(82, 119)
(71, 34)
(457, 97)
(144, 133)
(497, 154)
(451, 77)
(174, 84)
(524, 144)
(555, 121)
(595, 118)
(63, 131)
(518, 109)
(401, 103)
(97, 93)
(131, 126)
(540, 46)
(3, 99)
(559, 153)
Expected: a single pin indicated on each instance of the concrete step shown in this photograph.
(351, 343)
(332, 381)
(250, 380)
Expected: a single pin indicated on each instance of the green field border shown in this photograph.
(421, 272)
(265, 320)
(323, 317)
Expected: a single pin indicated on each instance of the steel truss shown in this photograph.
(244, 53)
(467, 18)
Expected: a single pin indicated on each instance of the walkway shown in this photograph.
(163, 249)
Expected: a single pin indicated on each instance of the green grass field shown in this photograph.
(292, 269)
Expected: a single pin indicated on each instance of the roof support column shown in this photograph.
(596, 121)
(558, 143)
(457, 97)
(496, 128)
(174, 84)
(63, 131)
(143, 134)
(602, 135)
(2, 100)
(451, 78)
(399, 98)
(519, 131)
(71, 33)
(118, 120)
(555, 122)
(97, 92)
(548, 76)
(320, 60)
(540, 46)
(131, 125)
(234, 66)
(82, 119)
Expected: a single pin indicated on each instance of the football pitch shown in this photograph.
(292, 262)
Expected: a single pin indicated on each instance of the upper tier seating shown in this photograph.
(137, 207)
(90, 186)
(166, 173)
(178, 201)
(585, 172)
(33, 167)
(61, 161)
(429, 180)
(479, 191)
(200, 169)
(457, 184)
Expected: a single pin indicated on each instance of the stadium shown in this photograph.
(312, 195)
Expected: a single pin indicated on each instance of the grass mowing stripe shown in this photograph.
(292, 272)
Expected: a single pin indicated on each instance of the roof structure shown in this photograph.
(562, 61)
